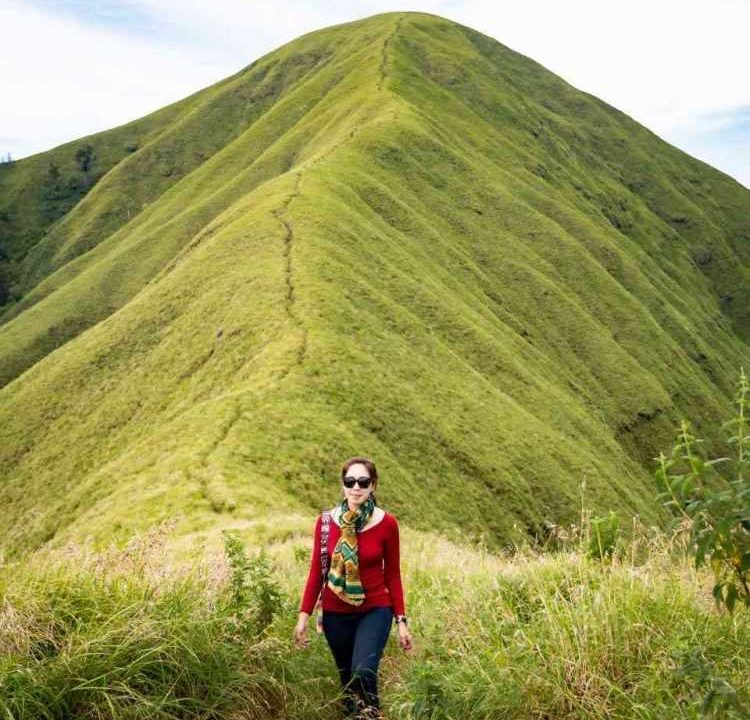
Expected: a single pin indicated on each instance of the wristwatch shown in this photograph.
(401, 619)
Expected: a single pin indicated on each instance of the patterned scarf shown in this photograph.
(343, 576)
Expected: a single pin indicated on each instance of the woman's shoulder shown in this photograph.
(389, 520)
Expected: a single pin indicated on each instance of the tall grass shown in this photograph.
(533, 632)
(112, 635)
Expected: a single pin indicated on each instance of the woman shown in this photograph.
(363, 591)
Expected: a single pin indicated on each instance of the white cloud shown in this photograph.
(61, 79)
(669, 64)
(662, 62)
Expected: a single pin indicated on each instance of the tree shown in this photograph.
(53, 173)
(85, 156)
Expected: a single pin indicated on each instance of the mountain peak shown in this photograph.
(394, 237)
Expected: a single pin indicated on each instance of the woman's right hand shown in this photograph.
(301, 640)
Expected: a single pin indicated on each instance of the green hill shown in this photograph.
(394, 237)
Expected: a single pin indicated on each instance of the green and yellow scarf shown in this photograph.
(343, 576)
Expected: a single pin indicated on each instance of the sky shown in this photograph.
(69, 68)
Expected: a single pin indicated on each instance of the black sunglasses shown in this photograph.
(363, 482)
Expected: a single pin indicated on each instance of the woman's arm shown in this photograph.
(392, 568)
(314, 576)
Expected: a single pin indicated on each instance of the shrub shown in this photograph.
(714, 509)
(605, 532)
(254, 598)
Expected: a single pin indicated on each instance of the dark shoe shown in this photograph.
(351, 706)
(370, 713)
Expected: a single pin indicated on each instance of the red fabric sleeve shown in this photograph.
(314, 576)
(392, 569)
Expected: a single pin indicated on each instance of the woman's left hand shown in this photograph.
(404, 638)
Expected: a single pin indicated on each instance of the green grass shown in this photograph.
(393, 237)
(527, 633)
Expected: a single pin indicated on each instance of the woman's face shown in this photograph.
(357, 495)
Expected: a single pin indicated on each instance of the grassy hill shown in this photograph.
(394, 237)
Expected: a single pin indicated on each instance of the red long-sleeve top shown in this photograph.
(379, 569)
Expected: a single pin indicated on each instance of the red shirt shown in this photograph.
(379, 569)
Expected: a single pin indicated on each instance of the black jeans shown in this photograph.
(357, 640)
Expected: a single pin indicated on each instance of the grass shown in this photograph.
(532, 632)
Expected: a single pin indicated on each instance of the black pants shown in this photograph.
(357, 640)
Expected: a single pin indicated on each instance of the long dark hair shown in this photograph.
(371, 469)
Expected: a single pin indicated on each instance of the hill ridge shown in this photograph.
(424, 247)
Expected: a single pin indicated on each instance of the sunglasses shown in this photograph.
(363, 482)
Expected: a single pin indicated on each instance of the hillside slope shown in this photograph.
(418, 245)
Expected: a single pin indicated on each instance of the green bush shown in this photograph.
(718, 698)
(254, 597)
(713, 508)
(605, 532)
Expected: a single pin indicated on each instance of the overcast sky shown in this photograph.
(69, 68)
